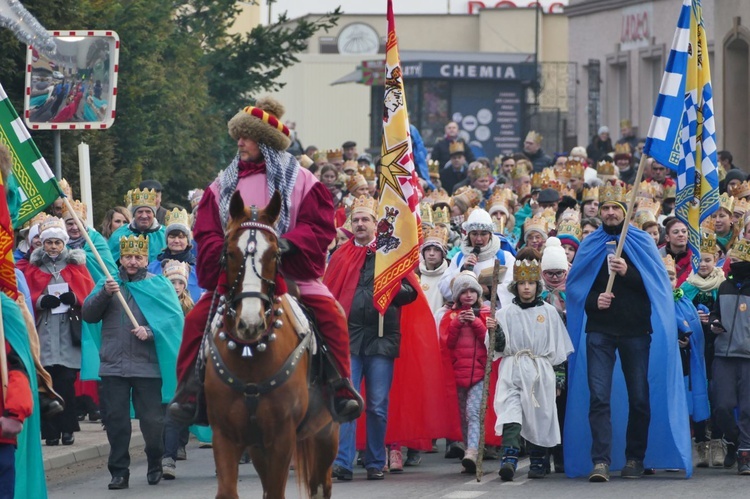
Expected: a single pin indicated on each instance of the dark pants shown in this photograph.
(731, 388)
(634, 356)
(175, 436)
(63, 382)
(146, 394)
(7, 471)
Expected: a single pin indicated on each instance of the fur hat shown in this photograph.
(463, 281)
(554, 257)
(53, 228)
(262, 124)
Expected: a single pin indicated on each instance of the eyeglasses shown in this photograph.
(557, 274)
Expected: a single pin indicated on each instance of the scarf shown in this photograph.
(423, 270)
(708, 283)
(76, 243)
(183, 256)
(487, 253)
(281, 174)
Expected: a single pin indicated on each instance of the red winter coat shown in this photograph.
(466, 343)
(19, 403)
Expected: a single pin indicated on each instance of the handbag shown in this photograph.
(76, 328)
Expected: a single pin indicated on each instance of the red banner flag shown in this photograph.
(8, 283)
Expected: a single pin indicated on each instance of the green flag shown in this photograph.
(38, 187)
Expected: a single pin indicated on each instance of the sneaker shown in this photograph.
(360, 459)
(455, 450)
(701, 448)
(730, 459)
(743, 462)
(413, 458)
(169, 469)
(600, 473)
(633, 469)
(469, 461)
(396, 461)
(181, 453)
(375, 474)
(342, 474)
(716, 453)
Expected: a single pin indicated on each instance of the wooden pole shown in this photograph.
(98, 257)
(3, 359)
(487, 370)
(628, 216)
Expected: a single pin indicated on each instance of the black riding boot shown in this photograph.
(185, 406)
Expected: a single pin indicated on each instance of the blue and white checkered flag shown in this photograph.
(682, 135)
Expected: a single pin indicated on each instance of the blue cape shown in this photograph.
(669, 444)
(697, 385)
(30, 481)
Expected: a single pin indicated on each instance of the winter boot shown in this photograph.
(538, 463)
(731, 453)
(701, 448)
(509, 463)
(716, 453)
(743, 462)
(469, 461)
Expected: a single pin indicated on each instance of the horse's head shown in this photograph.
(251, 261)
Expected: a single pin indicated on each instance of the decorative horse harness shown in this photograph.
(227, 303)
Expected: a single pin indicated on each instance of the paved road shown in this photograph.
(436, 477)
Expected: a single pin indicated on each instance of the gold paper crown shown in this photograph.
(590, 194)
(669, 264)
(741, 250)
(570, 228)
(562, 173)
(741, 207)
(38, 218)
(132, 245)
(500, 198)
(78, 207)
(546, 175)
(425, 210)
(741, 190)
(368, 172)
(643, 216)
(650, 205)
(434, 168)
(550, 215)
(335, 155)
(145, 197)
(456, 147)
(355, 181)
(440, 197)
(467, 194)
(575, 167)
(533, 136)
(65, 187)
(623, 148)
(437, 234)
(571, 215)
(612, 192)
(521, 169)
(350, 166)
(320, 156)
(670, 191)
(625, 123)
(366, 204)
(177, 216)
(526, 270)
(174, 269)
(708, 241)
(606, 169)
(538, 223)
(650, 190)
(708, 225)
(727, 202)
(478, 170)
(52, 223)
(441, 215)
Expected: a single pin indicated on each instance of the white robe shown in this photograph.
(535, 341)
(430, 281)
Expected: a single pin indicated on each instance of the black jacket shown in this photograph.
(441, 151)
(540, 160)
(363, 317)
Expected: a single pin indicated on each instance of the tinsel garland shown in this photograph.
(14, 16)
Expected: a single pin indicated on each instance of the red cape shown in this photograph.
(416, 409)
(490, 418)
(77, 276)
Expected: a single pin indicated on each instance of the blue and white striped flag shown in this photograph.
(682, 135)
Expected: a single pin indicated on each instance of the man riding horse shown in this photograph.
(305, 224)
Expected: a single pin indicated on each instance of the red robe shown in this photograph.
(77, 276)
(416, 410)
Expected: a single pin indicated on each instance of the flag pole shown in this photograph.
(3, 359)
(98, 257)
(628, 215)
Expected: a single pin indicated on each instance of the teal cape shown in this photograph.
(669, 445)
(521, 216)
(157, 241)
(691, 292)
(164, 317)
(30, 481)
(696, 384)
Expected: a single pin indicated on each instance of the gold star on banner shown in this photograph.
(392, 168)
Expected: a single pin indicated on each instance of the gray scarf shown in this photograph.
(281, 175)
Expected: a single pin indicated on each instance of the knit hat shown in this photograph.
(174, 269)
(554, 257)
(463, 281)
(53, 228)
(262, 124)
(479, 220)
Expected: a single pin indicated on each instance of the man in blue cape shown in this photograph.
(596, 318)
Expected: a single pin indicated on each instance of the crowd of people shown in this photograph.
(626, 355)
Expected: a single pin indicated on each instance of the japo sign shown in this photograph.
(637, 26)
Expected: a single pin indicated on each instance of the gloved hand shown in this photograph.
(49, 301)
(286, 247)
(68, 298)
(499, 339)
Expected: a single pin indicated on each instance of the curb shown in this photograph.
(82, 454)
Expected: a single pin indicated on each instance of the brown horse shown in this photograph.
(258, 388)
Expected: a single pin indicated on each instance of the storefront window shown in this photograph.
(434, 111)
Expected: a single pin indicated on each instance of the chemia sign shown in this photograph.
(489, 71)
(460, 70)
